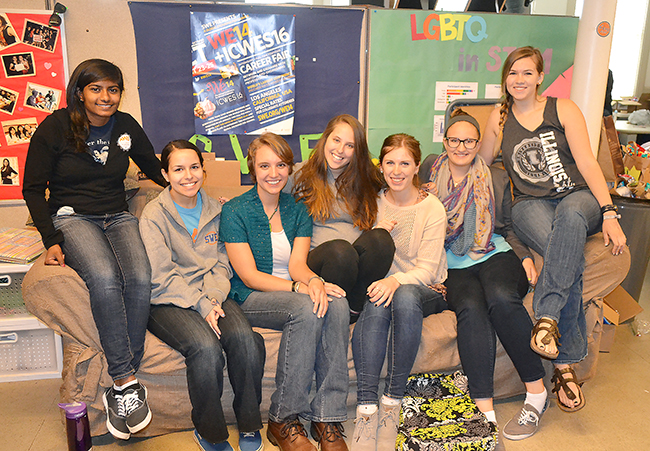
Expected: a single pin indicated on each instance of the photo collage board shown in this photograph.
(32, 85)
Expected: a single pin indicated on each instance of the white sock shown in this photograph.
(388, 401)
(367, 409)
(122, 387)
(537, 400)
(491, 416)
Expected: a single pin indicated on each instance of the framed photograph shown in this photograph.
(40, 35)
(19, 131)
(8, 100)
(41, 97)
(8, 35)
(9, 172)
(18, 64)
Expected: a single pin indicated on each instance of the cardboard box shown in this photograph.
(222, 173)
(619, 306)
(607, 337)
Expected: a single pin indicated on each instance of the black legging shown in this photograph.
(487, 298)
(354, 266)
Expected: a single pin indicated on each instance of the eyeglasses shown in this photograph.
(469, 143)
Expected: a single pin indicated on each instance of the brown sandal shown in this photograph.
(552, 333)
(563, 383)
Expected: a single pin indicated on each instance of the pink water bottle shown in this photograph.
(77, 426)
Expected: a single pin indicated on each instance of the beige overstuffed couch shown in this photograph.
(58, 296)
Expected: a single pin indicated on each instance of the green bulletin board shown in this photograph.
(414, 52)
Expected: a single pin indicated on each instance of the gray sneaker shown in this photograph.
(525, 423)
(115, 415)
(136, 408)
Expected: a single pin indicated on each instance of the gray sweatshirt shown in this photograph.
(185, 273)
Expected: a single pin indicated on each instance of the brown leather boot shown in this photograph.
(329, 435)
(289, 436)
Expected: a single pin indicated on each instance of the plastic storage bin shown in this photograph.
(28, 349)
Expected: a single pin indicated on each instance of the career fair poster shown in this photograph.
(32, 85)
(243, 73)
(420, 61)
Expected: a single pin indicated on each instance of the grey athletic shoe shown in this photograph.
(115, 415)
(136, 408)
(525, 423)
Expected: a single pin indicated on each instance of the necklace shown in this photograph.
(273, 214)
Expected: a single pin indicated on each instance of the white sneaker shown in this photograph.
(387, 430)
(365, 432)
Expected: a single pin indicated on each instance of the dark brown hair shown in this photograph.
(87, 72)
(177, 145)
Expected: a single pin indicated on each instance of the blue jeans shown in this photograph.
(410, 304)
(107, 253)
(309, 344)
(190, 334)
(487, 299)
(557, 230)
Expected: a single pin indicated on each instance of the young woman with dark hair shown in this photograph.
(560, 198)
(339, 185)
(81, 154)
(190, 309)
(9, 174)
(267, 235)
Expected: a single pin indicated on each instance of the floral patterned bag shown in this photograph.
(439, 415)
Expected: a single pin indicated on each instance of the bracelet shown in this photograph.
(298, 287)
(609, 207)
(294, 284)
(616, 216)
(315, 277)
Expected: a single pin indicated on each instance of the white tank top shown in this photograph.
(281, 254)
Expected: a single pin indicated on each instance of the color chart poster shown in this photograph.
(32, 85)
(243, 73)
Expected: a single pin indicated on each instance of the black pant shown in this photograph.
(355, 266)
(487, 297)
(191, 335)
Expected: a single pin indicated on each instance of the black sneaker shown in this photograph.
(115, 414)
(136, 408)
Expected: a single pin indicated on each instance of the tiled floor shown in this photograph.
(615, 417)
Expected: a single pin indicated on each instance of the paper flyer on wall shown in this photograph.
(243, 73)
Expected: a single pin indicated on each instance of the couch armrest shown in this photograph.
(58, 296)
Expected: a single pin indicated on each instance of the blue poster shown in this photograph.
(243, 73)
